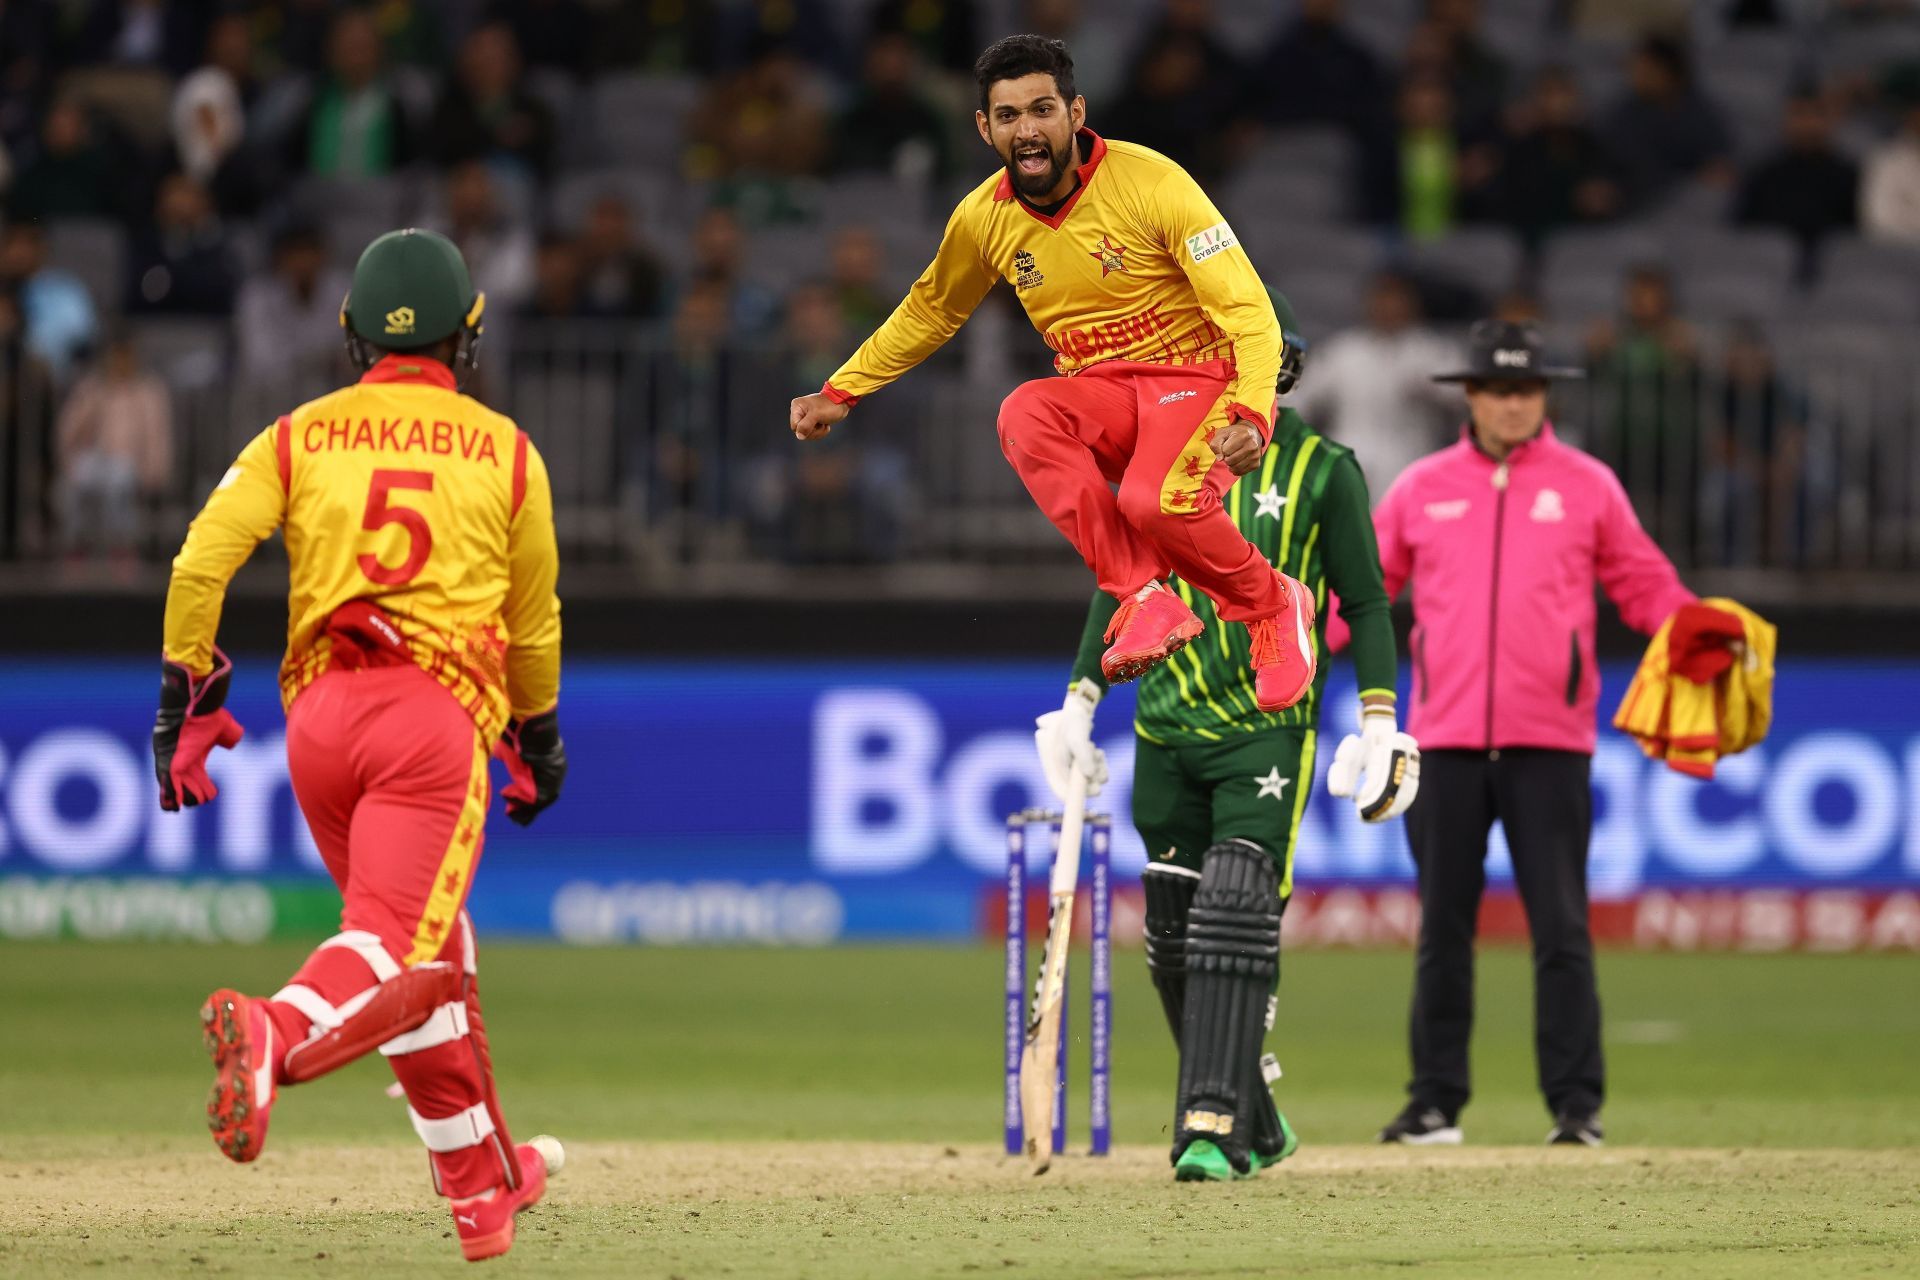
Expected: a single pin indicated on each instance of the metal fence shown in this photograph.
(670, 458)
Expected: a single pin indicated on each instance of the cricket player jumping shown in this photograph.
(1170, 347)
(422, 630)
(1219, 784)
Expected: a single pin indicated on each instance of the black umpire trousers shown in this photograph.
(1544, 799)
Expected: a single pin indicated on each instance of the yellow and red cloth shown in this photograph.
(1704, 689)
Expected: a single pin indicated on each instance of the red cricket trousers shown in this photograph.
(392, 777)
(1145, 428)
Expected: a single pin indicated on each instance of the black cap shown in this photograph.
(1502, 352)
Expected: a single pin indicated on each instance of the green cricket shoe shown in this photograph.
(1290, 1143)
(1204, 1162)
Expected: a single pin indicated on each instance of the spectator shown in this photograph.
(943, 30)
(858, 259)
(297, 34)
(556, 280)
(1372, 387)
(694, 400)
(620, 275)
(55, 307)
(1646, 383)
(26, 432)
(888, 125)
(1476, 75)
(356, 126)
(209, 117)
(1665, 130)
(115, 448)
(1430, 157)
(73, 175)
(746, 31)
(142, 33)
(27, 30)
(485, 112)
(840, 505)
(1807, 187)
(718, 262)
(1179, 92)
(1552, 170)
(183, 264)
(1097, 42)
(1755, 490)
(555, 33)
(1890, 187)
(758, 128)
(288, 319)
(499, 251)
(1316, 72)
(214, 118)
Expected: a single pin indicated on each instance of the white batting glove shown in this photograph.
(1065, 741)
(1379, 767)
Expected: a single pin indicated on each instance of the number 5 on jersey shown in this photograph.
(380, 513)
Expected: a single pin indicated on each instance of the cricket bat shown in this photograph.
(1039, 1060)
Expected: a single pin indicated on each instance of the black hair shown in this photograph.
(1017, 56)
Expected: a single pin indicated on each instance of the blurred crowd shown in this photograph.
(700, 207)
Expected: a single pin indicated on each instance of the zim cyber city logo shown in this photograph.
(1112, 257)
(1025, 274)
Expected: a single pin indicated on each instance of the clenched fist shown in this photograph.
(1238, 444)
(813, 416)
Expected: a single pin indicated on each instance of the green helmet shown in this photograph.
(1293, 359)
(411, 290)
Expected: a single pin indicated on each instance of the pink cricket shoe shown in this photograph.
(1150, 626)
(485, 1221)
(240, 1038)
(1284, 662)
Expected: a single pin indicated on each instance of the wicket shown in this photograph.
(1099, 829)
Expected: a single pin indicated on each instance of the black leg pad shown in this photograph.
(1170, 892)
(1233, 955)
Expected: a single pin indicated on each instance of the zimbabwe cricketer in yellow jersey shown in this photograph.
(1170, 350)
(423, 635)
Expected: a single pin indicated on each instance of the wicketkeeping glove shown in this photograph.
(1379, 767)
(536, 763)
(1065, 741)
(193, 719)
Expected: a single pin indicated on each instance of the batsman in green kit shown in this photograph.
(1219, 786)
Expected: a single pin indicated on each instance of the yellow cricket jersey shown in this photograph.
(402, 492)
(1137, 265)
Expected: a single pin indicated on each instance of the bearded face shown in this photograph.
(1031, 127)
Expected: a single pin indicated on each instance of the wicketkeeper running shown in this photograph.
(1170, 348)
(423, 635)
(1219, 785)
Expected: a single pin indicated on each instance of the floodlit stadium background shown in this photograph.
(800, 686)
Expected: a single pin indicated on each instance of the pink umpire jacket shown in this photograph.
(1503, 558)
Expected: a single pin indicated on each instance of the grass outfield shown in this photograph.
(835, 1114)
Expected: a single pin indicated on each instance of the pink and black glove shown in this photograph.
(536, 763)
(193, 719)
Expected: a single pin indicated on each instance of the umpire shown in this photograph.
(1503, 537)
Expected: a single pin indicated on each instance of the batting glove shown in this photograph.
(1065, 741)
(193, 719)
(536, 763)
(1379, 768)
